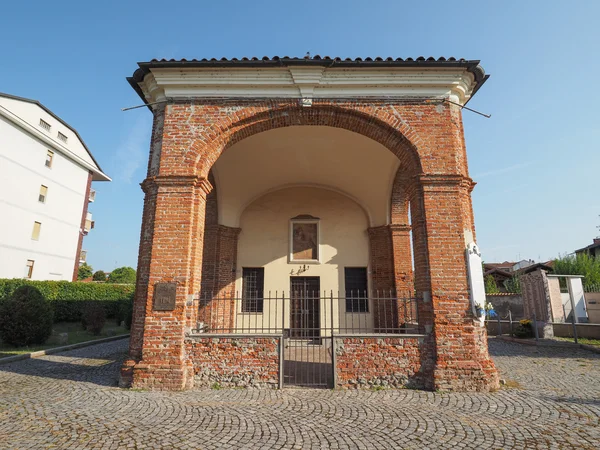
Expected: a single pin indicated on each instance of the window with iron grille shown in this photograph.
(62, 137)
(357, 298)
(253, 280)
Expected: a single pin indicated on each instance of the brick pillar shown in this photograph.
(403, 274)
(462, 361)
(217, 310)
(171, 245)
(403, 271)
(385, 312)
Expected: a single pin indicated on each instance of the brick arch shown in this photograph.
(400, 198)
(251, 120)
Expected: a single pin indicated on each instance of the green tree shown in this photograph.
(99, 275)
(490, 285)
(513, 284)
(25, 317)
(124, 275)
(85, 271)
(582, 264)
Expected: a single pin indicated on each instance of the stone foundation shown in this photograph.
(251, 362)
(392, 362)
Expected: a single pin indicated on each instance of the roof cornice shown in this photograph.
(276, 77)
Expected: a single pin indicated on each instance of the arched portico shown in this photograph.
(181, 231)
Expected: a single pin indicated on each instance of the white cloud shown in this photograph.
(503, 170)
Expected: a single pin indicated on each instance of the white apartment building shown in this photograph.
(46, 174)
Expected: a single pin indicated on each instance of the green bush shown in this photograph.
(69, 299)
(99, 275)
(94, 318)
(490, 285)
(125, 313)
(25, 317)
(122, 275)
(84, 271)
(524, 329)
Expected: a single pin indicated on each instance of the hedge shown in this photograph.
(69, 299)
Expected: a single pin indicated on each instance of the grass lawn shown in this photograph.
(75, 335)
(585, 341)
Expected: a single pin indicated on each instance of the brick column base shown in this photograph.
(462, 362)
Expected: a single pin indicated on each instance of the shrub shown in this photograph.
(524, 329)
(85, 271)
(25, 317)
(94, 318)
(490, 285)
(99, 275)
(125, 312)
(124, 275)
(68, 299)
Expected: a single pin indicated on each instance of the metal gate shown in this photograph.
(307, 343)
(303, 322)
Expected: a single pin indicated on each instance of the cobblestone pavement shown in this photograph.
(552, 400)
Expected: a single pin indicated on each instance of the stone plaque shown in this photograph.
(476, 283)
(164, 296)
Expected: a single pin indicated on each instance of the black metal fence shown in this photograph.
(307, 315)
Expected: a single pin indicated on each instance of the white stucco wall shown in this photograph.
(265, 239)
(22, 172)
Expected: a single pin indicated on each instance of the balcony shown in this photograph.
(92, 196)
(89, 223)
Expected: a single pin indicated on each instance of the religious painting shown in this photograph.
(305, 241)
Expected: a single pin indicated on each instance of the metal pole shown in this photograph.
(510, 322)
(574, 326)
(535, 330)
(499, 333)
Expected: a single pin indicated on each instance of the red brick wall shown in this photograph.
(394, 362)
(86, 202)
(234, 362)
(426, 136)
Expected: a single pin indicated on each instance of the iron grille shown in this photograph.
(253, 287)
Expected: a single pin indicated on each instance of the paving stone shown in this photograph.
(71, 401)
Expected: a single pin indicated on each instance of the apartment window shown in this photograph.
(49, 158)
(35, 235)
(62, 137)
(43, 194)
(253, 289)
(45, 125)
(357, 299)
(29, 268)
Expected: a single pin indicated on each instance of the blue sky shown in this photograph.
(536, 161)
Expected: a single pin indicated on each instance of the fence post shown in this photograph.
(510, 323)
(535, 329)
(574, 327)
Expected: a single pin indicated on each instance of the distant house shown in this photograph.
(46, 174)
(500, 271)
(592, 249)
(503, 272)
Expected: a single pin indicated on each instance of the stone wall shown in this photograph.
(235, 361)
(504, 302)
(394, 362)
